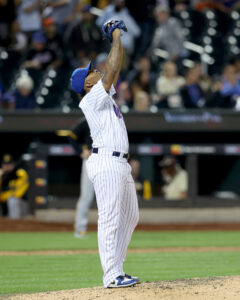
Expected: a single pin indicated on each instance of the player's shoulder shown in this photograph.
(99, 88)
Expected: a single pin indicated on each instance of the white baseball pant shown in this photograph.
(117, 210)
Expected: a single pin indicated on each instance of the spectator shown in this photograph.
(22, 97)
(226, 5)
(236, 63)
(169, 83)
(62, 12)
(54, 40)
(215, 99)
(101, 4)
(17, 40)
(143, 64)
(223, 5)
(163, 3)
(205, 83)
(231, 84)
(1, 91)
(168, 34)
(118, 11)
(124, 95)
(145, 20)
(141, 102)
(175, 178)
(237, 6)
(141, 82)
(40, 56)
(7, 16)
(181, 5)
(28, 15)
(202, 5)
(83, 37)
(191, 93)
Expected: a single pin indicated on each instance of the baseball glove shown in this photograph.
(110, 26)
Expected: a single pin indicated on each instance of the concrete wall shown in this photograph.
(154, 216)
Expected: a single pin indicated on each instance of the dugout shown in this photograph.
(205, 142)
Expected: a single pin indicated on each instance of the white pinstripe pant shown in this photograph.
(117, 210)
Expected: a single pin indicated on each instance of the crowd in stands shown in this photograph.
(177, 54)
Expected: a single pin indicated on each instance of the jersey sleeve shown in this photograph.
(96, 98)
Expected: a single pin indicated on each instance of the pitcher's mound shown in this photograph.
(218, 288)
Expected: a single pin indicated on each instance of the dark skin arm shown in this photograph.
(119, 65)
(114, 61)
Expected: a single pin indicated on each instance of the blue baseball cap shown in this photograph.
(78, 78)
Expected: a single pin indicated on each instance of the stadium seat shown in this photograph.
(191, 20)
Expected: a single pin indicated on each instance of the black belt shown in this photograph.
(115, 153)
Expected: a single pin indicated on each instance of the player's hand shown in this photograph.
(85, 154)
(110, 26)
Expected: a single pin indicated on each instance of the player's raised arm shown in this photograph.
(119, 65)
(114, 60)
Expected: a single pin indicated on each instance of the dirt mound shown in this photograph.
(220, 288)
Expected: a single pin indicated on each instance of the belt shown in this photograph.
(114, 153)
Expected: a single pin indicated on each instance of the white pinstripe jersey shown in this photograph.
(104, 118)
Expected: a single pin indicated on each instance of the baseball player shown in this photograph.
(80, 133)
(14, 183)
(107, 166)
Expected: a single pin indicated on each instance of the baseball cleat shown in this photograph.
(133, 277)
(122, 281)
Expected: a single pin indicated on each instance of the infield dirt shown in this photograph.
(218, 288)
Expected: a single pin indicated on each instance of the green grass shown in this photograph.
(21, 274)
(54, 241)
(33, 273)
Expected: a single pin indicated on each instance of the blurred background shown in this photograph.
(179, 91)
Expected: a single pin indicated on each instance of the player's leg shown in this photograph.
(128, 219)
(108, 187)
(84, 202)
(14, 208)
